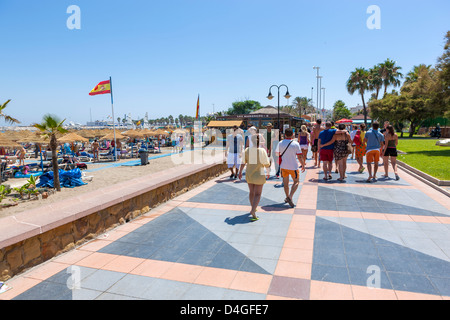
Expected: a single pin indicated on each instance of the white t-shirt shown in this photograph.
(352, 135)
(289, 160)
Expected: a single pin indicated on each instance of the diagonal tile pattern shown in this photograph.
(353, 240)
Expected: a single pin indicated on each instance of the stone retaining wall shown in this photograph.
(34, 250)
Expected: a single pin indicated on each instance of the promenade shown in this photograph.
(355, 240)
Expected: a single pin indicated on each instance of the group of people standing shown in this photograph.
(255, 152)
(330, 144)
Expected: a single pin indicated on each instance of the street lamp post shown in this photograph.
(320, 95)
(323, 112)
(318, 88)
(270, 97)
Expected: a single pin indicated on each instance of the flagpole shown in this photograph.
(114, 121)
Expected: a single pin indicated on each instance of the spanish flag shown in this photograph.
(102, 88)
(198, 107)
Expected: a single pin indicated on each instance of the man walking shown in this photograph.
(233, 151)
(326, 153)
(289, 151)
(314, 142)
(374, 141)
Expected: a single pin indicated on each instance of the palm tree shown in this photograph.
(390, 74)
(413, 75)
(49, 128)
(8, 119)
(375, 80)
(302, 105)
(181, 119)
(359, 81)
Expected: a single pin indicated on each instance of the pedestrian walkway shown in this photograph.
(354, 240)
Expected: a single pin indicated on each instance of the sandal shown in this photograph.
(254, 218)
(290, 202)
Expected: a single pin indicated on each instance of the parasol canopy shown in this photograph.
(345, 121)
(7, 143)
(72, 137)
(110, 136)
(134, 134)
(160, 132)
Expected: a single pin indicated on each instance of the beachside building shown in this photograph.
(358, 119)
(260, 119)
(356, 109)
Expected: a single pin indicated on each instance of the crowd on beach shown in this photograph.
(21, 147)
(255, 150)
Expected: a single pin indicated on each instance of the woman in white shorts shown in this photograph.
(304, 140)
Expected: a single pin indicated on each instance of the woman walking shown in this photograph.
(256, 160)
(390, 151)
(360, 147)
(341, 151)
(304, 141)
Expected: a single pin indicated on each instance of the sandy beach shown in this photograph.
(105, 174)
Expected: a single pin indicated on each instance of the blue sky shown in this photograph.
(162, 54)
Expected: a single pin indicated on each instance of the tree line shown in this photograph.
(424, 93)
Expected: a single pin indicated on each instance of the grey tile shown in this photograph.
(329, 258)
(162, 289)
(132, 286)
(411, 283)
(337, 274)
(329, 246)
(328, 235)
(196, 257)
(435, 267)
(112, 297)
(168, 253)
(259, 265)
(360, 248)
(210, 242)
(85, 294)
(397, 264)
(363, 261)
(270, 240)
(356, 236)
(242, 295)
(140, 251)
(442, 285)
(200, 292)
(101, 280)
(46, 290)
(227, 261)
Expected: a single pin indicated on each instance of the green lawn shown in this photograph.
(425, 156)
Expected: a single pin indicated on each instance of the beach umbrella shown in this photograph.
(16, 135)
(147, 132)
(89, 134)
(110, 136)
(7, 143)
(72, 137)
(133, 134)
(345, 121)
(160, 132)
(34, 138)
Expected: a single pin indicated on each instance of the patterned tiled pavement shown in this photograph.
(354, 240)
